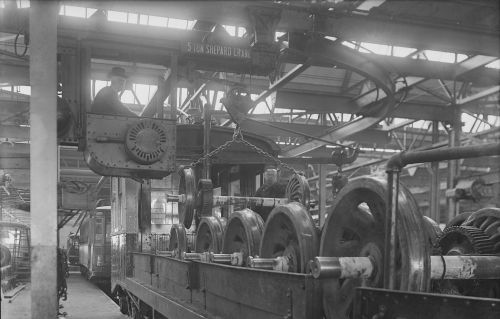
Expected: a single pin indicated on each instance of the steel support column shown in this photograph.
(434, 209)
(322, 194)
(453, 172)
(43, 107)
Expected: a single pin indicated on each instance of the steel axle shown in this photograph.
(442, 267)
(234, 259)
(281, 263)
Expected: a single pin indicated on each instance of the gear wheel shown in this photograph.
(204, 198)
(465, 240)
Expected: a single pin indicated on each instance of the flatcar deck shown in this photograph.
(85, 300)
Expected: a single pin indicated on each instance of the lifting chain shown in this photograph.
(238, 138)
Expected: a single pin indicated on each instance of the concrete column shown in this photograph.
(43, 155)
(322, 193)
(434, 207)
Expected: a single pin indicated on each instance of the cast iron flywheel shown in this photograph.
(178, 240)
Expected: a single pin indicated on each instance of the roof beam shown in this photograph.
(368, 136)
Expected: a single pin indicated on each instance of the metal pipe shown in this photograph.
(343, 267)
(167, 253)
(259, 201)
(390, 229)
(402, 159)
(101, 183)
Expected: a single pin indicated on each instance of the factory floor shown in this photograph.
(85, 301)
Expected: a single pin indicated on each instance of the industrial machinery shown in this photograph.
(95, 246)
(287, 267)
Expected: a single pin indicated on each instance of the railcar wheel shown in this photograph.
(209, 235)
(297, 190)
(488, 220)
(178, 240)
(187, 187)
(351, 230)
(204, 198)
(290, 231)
(243, 233)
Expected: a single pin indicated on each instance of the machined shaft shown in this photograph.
(277, 264)
(259, 201)
(442, 267)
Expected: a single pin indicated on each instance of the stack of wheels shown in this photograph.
(290, 232)
(355, 227)
(209, 234)
(243, 233)
(178, 240)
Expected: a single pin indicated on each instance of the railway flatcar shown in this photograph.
(95, 245)
(287, 267)
(73, 250)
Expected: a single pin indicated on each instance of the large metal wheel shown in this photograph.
(178, 240)
(488, 220)
(352, 230)
(209, 235)
(297, 190)
(290, 231)
(204, 198)
(243, 233)
(187, 187)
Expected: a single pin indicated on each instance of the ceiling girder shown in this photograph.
(368, 135)
(373, 28)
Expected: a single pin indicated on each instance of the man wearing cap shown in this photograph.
(107, 100)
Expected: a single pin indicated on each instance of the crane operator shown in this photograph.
(107, 100)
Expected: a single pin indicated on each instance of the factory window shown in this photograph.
(133, 18)
(144, 19)
(71, 11)
(158, 21)
(117, 16)
(177, 23)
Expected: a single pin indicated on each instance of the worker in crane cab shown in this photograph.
(107, 100)
(270, 188)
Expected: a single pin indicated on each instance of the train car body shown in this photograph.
(73, 249)
(95, 245)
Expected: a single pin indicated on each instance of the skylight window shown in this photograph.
(402, 51)
(375, 48)
(230, 29)
(494, 64)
